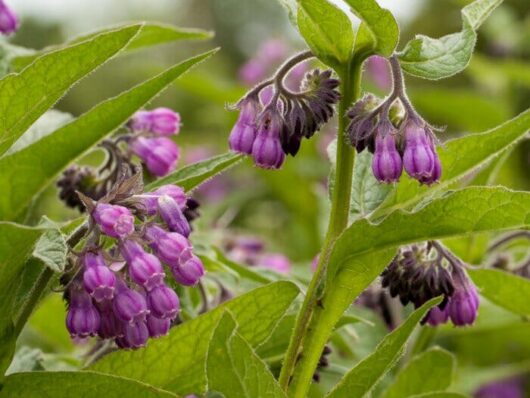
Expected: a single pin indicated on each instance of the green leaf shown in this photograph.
(151, 34)
(459, 157)
(433, 59)
(367, 193)
(191, 176)
(176, 362)
(327, 31)
(28, 94)
(41, 162)
(509, 291)
(440, 395)
(428, 372)
(51, 248)
(359, 381)
(234, 369)
(79, 384)
(378, 32)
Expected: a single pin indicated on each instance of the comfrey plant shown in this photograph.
(131, 263)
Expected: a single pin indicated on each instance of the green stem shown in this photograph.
(338, 221)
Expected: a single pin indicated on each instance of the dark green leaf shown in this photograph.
(439, 58)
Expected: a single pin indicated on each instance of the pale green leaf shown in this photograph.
(51, 247)
(41, 162)
(430, 58)
(28, 94)
(234, 369)
(327, 31)
(359, 381)
(77, 384)
(176, 362)
(430, 371)
(191, 176)
(510, 291)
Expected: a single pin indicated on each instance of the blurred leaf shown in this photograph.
(41, 162)
(26, 359)
(244, 271)
(440, 395)
(150, 34)
(190, 177)
(247, 375)
(176, 362)
(434, 59)
(459, 158)
(430, 371)
(378, 32)
(211, 88)
(359, 381)
(495, 70)
(504, 289)
(79, 384)
(28, 94)
(327, 31)
(51, 247)
(291, 8)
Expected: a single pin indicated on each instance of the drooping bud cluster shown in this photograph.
(120, 292)
(251, 251)
(421, 272)
(268, 129)
(8, 19)
(396, 135)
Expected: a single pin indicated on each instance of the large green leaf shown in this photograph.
(459, 157)
(176, 362)
(233, 368)
(359, 381)
(428, 372)
(327, 30)
(378, 32)
(439, 58)
(151, 34)
(191, 176)
(77, 384)
(26, 173)
(504, 289)
(28, 94)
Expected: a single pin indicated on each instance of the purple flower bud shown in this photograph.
(116, 221)
(129, 305)
(163, 302)
(437, 316)
(160, 154)
(135, 334)
(386, 163)
(243, 133)
(8, 19)
(150, 199)
(157, 327)
(173, 216)
(159, 121)
(171, 247)
(507, 388)
(267, 148)
(83, 318)
(98, 279)
(144, 268)
(463, 304)
(436, 172)
(419, 156)
(189, 273)
(277, 262)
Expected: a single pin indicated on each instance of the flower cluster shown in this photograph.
(118, 289)
(421, 272)
(270, 130)
(397, 141)
(8, 19)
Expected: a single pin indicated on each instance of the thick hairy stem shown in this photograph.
(340, 207)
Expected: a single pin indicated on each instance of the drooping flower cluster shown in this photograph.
(397, 141)
(270, 130)
(8, 19)
(421, 272)
(118, 290)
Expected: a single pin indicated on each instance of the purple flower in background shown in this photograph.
(252, 71)
(159, 121)
(269, 54)
(163, 302)
(8, 19)
(82, 319)
(144, 268)
(189, 272)
(277, 262)
(244, 131)
(160, 154)
(508, 388)
(272, 50)
(98, 279)
(267, 148)
(386, 162)
(116, 221)
(379, 71)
